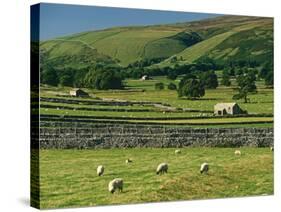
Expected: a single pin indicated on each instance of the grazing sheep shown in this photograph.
(177, 151)
(116, 184)
(204, 168)
(237, 152)
(100, 170)
(162, 168)
(129, 161)
(272, 149)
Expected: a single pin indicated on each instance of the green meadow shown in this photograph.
(68, 177)
(185, 110)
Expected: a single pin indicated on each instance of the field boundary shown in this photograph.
(132, 135)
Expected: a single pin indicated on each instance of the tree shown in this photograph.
(269, 79)
(49, 76)
(238, 71)
(191, 87)
(209, 79)
(103, 79)
(225, 78)
(246, 85)
(266, 68)
(171, 75)
(66, 80)
(172, 86)
(159, 86)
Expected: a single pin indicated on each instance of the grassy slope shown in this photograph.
(129, 44)
(255, 43)
(68, 177)
(203, 48)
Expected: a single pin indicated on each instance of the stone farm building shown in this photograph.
(77, 92)
(145, 77)
(221, 109)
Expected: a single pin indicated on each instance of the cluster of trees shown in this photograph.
(191, 86)
(161, 86)
(171, 72)
(146, 62)
(98, 77)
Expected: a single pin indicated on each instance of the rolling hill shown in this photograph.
(221, 38)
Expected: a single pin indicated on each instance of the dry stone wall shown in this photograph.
(130, 136)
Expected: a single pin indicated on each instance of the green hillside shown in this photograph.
(220, 38)
(251, 40)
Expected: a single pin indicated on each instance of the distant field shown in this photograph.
(68, 177)
(144, 91)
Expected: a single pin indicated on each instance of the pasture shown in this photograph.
(146, 102)
(68, 177)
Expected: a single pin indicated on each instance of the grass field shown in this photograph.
(260, 103)
(198, 50)
(68, 177)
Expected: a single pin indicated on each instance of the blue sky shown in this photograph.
(62, 19)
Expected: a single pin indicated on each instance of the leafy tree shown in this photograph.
(66, 80)
(49, 76)
(209, 79)
(269, 79)
(159, 86)
(103, 79)
(191, 87)
(225, 78)
(246, 85)
(171, 75)
(238, 71)
(266, 68)
(172, 86)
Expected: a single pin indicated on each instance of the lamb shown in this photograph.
(116, 184)
(177, 151)
(272, 149)
(204, 168)
(129, 161)
(237, 152)
(162, 168)
(100, 170)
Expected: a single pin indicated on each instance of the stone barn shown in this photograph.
(145, 77)
(221, 109)
(77, 92)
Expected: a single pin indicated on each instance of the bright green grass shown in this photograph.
(262, 102)
(198, 50)
(68, 177)
(81, 105)
(51, 111)
(125, 45)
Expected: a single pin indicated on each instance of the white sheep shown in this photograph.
(100, 170)
(116, 184)
(272, 149)
(177, 151)
(162, 168)
(237, 152)
(204, 168)
(129, 161)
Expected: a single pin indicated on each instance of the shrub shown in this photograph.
(159, 86)
(172, 86)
